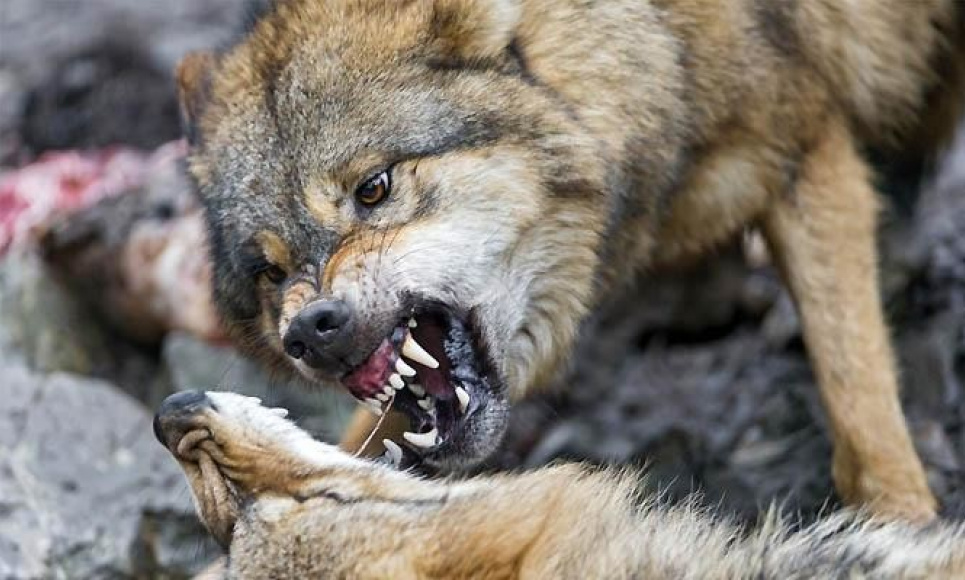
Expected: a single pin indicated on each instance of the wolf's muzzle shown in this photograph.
(318, 335)
(174, 416)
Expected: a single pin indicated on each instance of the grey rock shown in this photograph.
(86, 490)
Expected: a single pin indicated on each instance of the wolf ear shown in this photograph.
(193, 76)
(471, 29)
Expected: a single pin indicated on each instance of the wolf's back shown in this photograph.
(898, 66)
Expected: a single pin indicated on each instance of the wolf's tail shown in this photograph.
(846, 546)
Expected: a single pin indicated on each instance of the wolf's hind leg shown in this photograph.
(823, 236)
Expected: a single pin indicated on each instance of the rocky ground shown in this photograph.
(700, 375)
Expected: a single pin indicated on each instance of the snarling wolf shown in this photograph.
(287, 506)
(424, 199)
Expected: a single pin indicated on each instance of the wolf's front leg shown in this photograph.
(286, 506)
(823, 235)
(232, 448)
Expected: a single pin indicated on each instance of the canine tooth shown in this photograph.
(396, 381)
(422, 439)
(394, 451)
(463, 397)
(404, 369)
(280, 412)
(412, 350)
(425, 403)
(417, 390)
(413, 323)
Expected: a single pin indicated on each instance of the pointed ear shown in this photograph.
(193, 76)
(469, 29)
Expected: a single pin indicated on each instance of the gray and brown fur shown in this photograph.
(286, 506)
(545, 151)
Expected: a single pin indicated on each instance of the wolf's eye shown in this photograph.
(275, 274)
(374, 189)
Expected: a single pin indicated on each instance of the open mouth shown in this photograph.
(431, 368)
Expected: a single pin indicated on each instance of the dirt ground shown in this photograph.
(700, 376)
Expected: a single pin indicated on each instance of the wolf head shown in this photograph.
(396, 204)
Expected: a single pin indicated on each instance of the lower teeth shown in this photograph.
(392, 451)
(463, 397)
(422, 439)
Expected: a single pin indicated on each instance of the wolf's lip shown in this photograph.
(427, 369)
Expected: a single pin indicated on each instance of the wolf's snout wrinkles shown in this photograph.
(317, 332)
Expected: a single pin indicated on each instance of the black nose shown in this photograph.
(176, 411)
(315, 331)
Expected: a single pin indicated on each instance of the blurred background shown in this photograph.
(104, 311)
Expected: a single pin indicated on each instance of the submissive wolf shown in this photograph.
(286, 506)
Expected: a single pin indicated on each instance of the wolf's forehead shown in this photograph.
(334, 120)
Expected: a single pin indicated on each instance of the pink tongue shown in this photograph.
(369, 379)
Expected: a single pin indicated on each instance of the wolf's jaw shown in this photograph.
(429, 369)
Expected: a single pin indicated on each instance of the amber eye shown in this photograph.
(374, 190)
(275, 274)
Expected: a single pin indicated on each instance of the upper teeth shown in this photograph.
(417, 390)
(422, 439)
(413, 323)
(412, 350)
(404, 369)
(374, 406)
(396, 381)
(463, 397)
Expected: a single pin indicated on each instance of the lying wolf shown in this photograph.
(286, 506)
(424, 199)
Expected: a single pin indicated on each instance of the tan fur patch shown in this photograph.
(275, 249)
(321, 206)
(294, 300)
